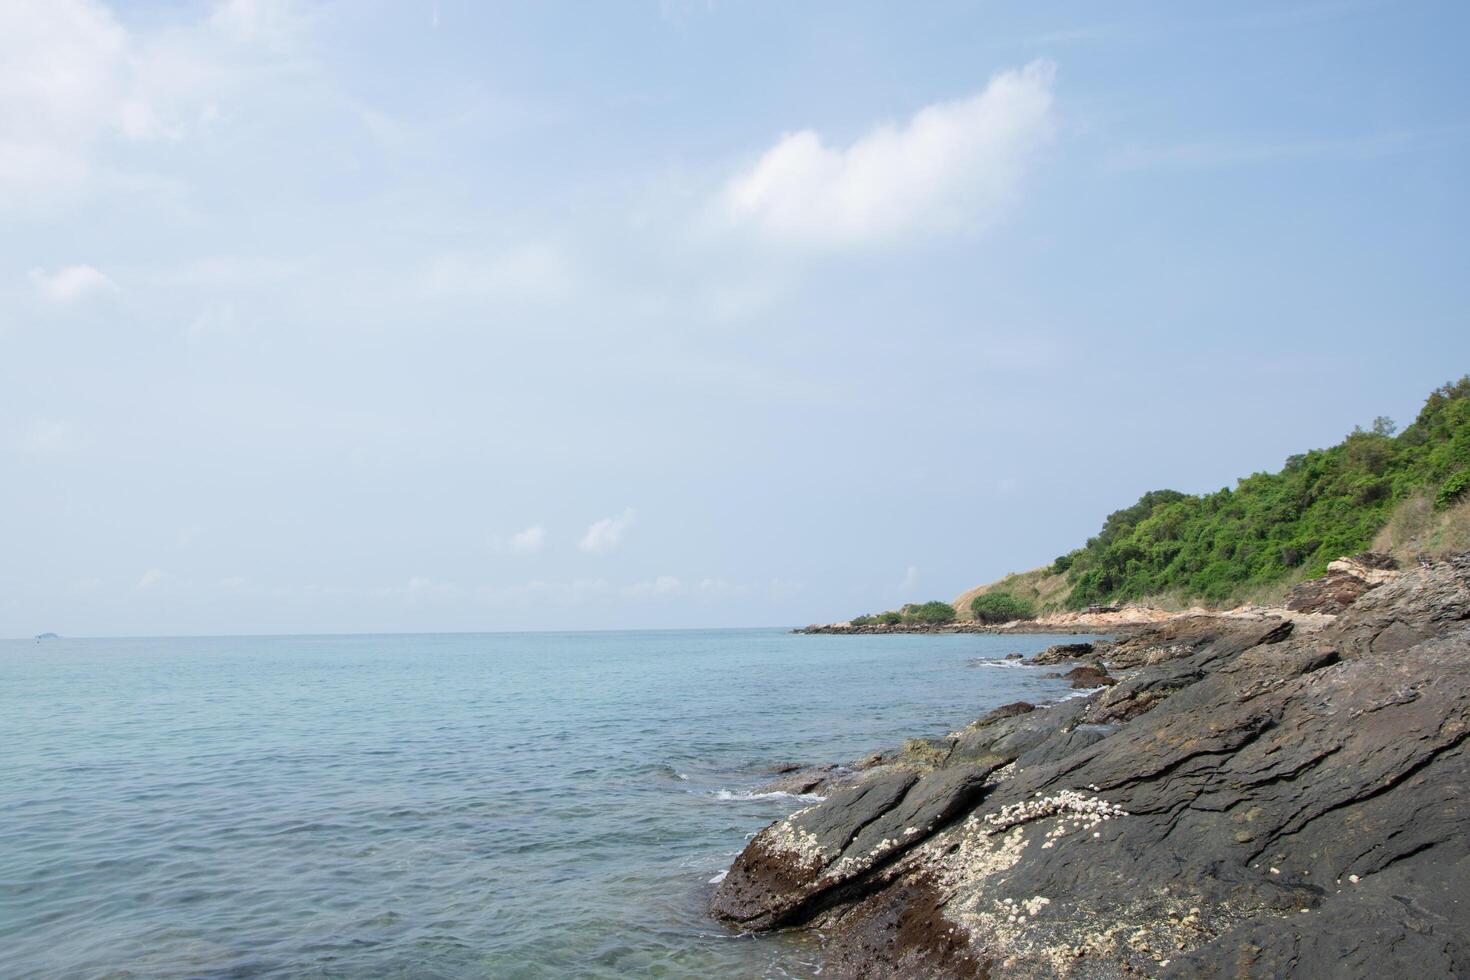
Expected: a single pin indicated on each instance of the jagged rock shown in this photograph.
(1016, 655)
(789, 867)
(1249, 802)
(1063, 652)
(1008, 711)
(1086, 677)
(1346, 581)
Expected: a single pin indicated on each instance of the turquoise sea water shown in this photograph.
(495, 805)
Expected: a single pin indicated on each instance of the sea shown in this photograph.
(458, 805)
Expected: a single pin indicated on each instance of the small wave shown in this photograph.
(719, 877)
(1080, 694)
(725, 794)
(1005, 664)
(681, 776)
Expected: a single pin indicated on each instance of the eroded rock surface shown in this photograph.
(1248, 800)
(1346, 581)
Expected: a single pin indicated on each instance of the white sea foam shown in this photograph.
(719, 877)
(1080, 694)
(725, 794)
(1004, 664)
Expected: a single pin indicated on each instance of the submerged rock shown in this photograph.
(1249, 800)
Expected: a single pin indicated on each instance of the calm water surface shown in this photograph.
(496, 805)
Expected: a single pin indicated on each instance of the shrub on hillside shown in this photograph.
(932, 613)
(1453, 489)
(1001, 607)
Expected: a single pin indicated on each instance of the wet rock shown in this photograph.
(1017, 655)
(1063, 652)
(792, 865)
(1086, 677)
(799, 780)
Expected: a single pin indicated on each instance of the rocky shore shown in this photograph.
(1251, 796)
(1120, 620)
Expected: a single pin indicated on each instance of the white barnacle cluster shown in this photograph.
(1002, 774)
(977, 856)
(1078, 809)
(791, 838)
(882, 847)
(1019, 912)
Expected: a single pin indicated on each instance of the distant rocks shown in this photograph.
(881, 629)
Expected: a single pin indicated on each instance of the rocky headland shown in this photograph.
(1243, 795)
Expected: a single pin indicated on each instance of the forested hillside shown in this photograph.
(1321, 505)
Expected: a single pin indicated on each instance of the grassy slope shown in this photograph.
(1044, 589)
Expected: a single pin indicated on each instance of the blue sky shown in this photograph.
(372, 316)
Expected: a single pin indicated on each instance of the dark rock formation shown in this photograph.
(1251, 800)
(1087, 676)
(1063, 652)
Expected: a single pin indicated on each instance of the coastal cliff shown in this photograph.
(1254, 796)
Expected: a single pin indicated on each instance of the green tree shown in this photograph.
(1001, 607)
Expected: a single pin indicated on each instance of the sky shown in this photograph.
(369, 316)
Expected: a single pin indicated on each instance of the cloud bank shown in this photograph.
(953, 164)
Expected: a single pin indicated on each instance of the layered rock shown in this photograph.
(1346, 581)
(1248, 800)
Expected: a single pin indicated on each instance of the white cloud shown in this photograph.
(910, 579)
(60, 63)
(73, 78)
(605, 535)
(72, 283)
(953, 164)
(151, 579)
(524, 542)
(530, 272)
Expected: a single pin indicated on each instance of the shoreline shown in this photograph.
(1129, 619)
(1244, 792)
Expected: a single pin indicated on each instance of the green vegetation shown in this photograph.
(1453, 489)
(1001, 607)
(932, 613)
(1275, 526)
